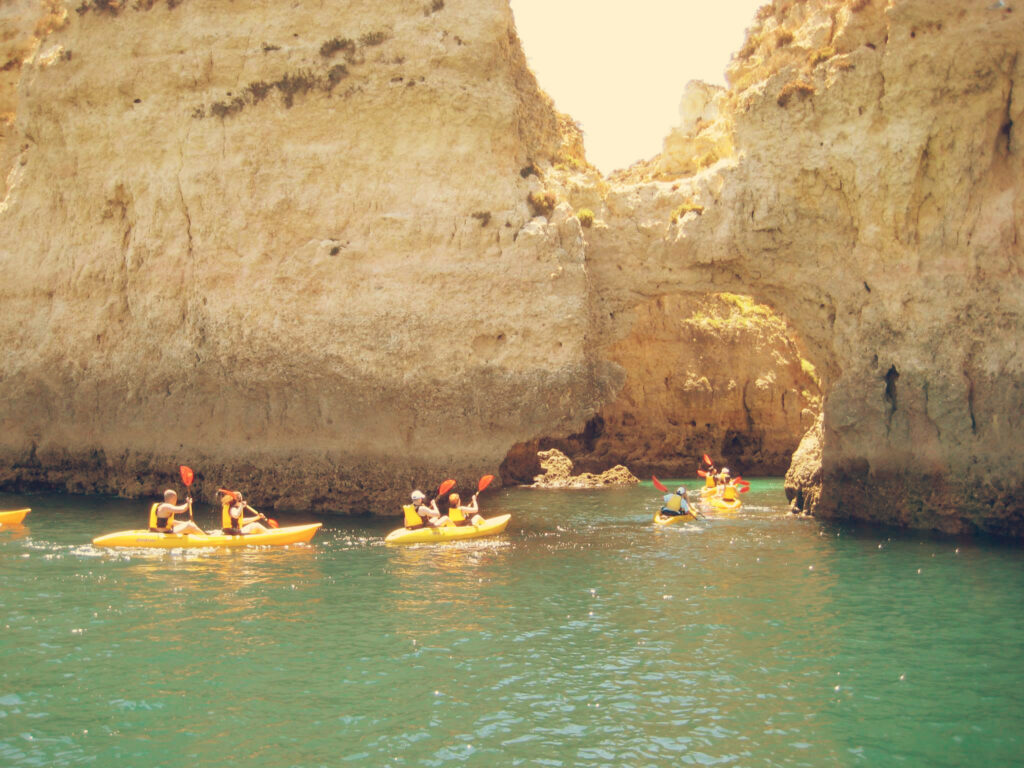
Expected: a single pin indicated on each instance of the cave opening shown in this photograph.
(717, 374)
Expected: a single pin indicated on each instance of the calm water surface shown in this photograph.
(581, 637)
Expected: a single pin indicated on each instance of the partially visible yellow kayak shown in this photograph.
(429, 534)
(14, 516)
(660, 519)
(295, 534)
(722, 505)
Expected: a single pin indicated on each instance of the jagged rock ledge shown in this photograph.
(558, 474)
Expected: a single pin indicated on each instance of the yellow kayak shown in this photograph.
(13, 517)
(294, 534)
(660, 519)
(429, 534)
(723, 505)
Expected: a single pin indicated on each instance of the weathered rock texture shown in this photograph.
(716, 374)
(290, 244)
(558, 474)
(875, 199)
(287, 244)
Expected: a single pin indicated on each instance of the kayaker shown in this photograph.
(165, 513)
(460, 515)
(233, 517)
(427, 515)
(676, 503)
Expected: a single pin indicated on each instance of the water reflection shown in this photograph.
(464, 578)
(9, 532)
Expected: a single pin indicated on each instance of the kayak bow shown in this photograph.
(13, 517)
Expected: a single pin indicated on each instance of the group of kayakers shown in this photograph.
(233, 519)
(717, 484)
(420, 514)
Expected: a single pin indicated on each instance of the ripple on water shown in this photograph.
(584, 636)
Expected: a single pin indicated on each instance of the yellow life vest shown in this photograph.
(674, 504)
(456, 515)
(709, 481)
(225, 517)
(730, 493)
(412, 519)
(152, 517)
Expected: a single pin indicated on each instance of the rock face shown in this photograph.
(875, 200)
(716, 374)
(328, 253)
(289, 246)
(558, 474)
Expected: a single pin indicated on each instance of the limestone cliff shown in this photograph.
(873, 196)
(324, 253)
(287, 244)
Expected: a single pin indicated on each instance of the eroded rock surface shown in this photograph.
(288, 245)
(558, 474)
(719, 375)
(332, 252)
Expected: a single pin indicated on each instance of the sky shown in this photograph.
(618, 67)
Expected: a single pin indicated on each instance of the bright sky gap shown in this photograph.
(619, 68)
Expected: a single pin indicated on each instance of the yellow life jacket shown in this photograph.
(226, 521)
(709, 481)
(152, 517)
(730, 493)
(412, 518)
(456, 515)
(675, 503)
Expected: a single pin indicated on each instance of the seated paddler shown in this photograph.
(161, 516)
(676, 503)
(419, 514)
(464, 515)
(233, 519)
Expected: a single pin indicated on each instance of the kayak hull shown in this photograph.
(13, 517)
(660, 519)
(294, 534)
(722, 505)
(430, 535)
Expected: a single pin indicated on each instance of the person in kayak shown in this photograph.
(460, 515)
(676, 503)
(233, 517)
(418, 514)
(164, 522)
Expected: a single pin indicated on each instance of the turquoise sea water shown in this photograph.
(584, 636)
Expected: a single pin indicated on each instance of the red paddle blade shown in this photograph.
(702, 473)
(658, 484)
(484, 482)
(446, 486)
(272, 523)
(187, 475)
(743, 488)
(708, 461)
